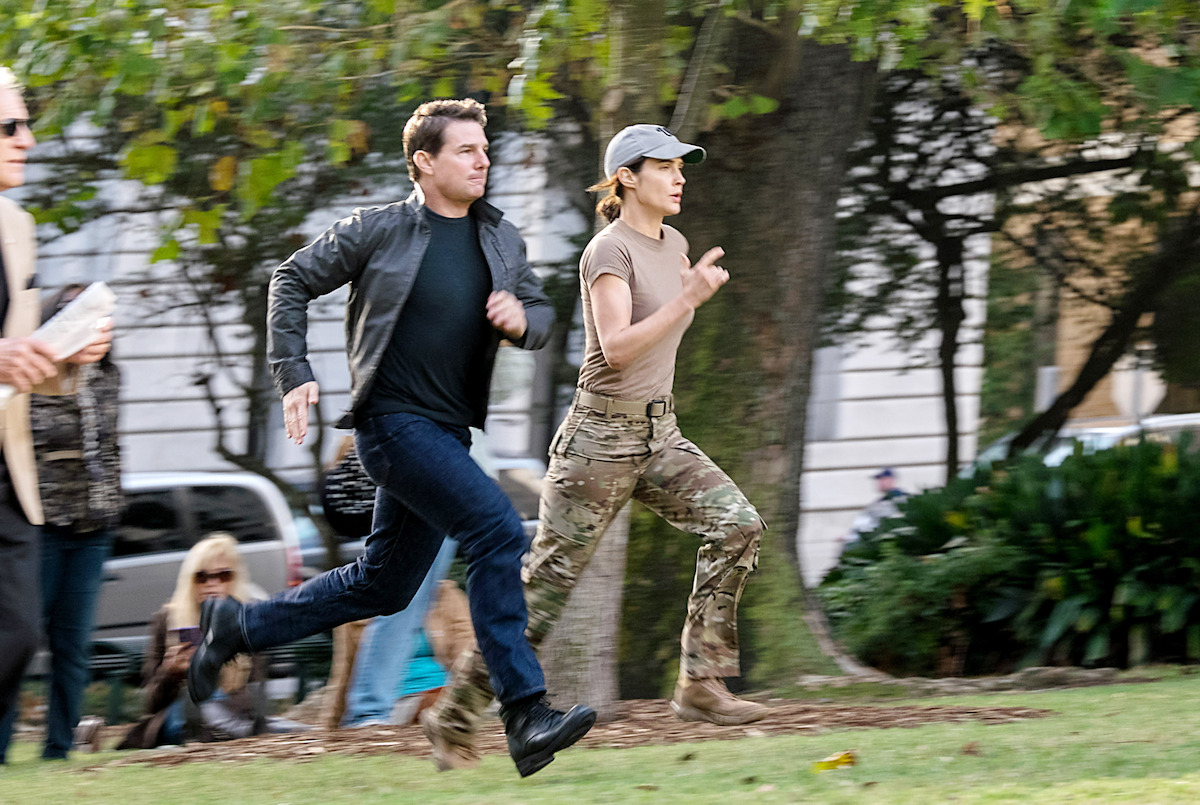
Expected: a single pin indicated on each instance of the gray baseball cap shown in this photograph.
(645, 140)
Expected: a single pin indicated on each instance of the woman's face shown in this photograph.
(659, 185)
(214, 579)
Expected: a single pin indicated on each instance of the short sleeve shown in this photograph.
(678, 241)
(606, 256)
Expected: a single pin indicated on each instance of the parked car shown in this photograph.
(313, 553)
(1092, 438)
(165, 514)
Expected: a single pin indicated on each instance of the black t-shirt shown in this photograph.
(435, 363)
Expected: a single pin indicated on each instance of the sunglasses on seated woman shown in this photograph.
(223, 576)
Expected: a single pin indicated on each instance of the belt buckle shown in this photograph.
(656, 408)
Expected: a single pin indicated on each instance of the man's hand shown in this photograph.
(25, 362)
(101, 344)
(702, 280)
(507, 314)
(295, 410)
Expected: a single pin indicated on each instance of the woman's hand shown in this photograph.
(177, 658)
(702, 280)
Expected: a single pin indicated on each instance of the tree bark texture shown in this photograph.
(768, 195)
(580, 655)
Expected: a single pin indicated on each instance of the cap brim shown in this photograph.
(691, 154)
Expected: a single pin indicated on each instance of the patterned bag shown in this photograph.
(348, 497)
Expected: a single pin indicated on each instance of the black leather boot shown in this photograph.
(536, 731)
(221, 630)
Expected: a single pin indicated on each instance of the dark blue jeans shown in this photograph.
(72, 567)
(429, 486)
(72, 570)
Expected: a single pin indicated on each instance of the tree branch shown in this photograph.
(1177, 255)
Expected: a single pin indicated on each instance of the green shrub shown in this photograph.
(1093, 562)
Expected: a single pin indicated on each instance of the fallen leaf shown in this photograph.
(835, 761)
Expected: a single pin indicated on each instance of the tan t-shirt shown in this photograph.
(650, 267)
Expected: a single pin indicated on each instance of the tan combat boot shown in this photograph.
(451, 750)
(709, 700)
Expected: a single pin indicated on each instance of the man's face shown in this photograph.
(459, 171)
(659, 185)
(12, 149)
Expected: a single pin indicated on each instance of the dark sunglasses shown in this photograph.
(9, 127)
(223, 576)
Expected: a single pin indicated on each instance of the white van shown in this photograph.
(165, 515)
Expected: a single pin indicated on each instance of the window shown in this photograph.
(150, 524)
(236, 509)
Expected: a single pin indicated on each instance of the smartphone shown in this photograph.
(188, 635)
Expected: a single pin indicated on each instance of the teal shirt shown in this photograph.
(423, 673)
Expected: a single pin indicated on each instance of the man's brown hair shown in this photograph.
(424, 130)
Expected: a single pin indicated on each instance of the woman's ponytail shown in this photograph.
(609, 205)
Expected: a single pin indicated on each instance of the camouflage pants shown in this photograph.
(597, 463)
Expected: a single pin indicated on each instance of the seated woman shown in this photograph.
(212, 568)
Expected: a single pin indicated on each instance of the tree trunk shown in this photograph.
(768, 195)
(950, 316)
(580, 654)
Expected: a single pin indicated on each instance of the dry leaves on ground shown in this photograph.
(638, 723)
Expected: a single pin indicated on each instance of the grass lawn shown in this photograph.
(1136, 743)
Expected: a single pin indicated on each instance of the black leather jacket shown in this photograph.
(378, 251)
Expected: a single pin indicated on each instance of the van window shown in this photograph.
(235, 509)
(150, 524)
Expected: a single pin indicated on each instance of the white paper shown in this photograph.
(73, 328)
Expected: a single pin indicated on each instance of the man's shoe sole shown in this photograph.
(531, 764)
(685, 713)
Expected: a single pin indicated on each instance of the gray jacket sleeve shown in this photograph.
(329, 262)
(539, 313)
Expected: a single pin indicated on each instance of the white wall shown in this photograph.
(870, 410)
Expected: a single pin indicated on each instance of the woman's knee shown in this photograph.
(744, 540)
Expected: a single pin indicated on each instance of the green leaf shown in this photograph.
(167, 251)
(1062, 618)
(762, 105)
(207, 222)
(734, 107)
(150, 164)
(1178, 607)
